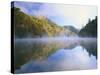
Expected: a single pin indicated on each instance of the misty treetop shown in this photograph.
(90, 30)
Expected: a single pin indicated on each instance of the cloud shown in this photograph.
(46, 10)
(28, 7)
(75, 15)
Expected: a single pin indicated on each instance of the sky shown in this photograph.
(61, 14)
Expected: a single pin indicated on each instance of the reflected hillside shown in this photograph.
(90, 46)
(41, 48)
(63, 59)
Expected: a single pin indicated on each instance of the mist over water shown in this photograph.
(45, 39)
(56, 54)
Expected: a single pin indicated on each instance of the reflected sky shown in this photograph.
(64, 59)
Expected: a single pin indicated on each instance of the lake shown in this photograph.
(54, 54)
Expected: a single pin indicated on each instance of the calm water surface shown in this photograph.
(54, 54)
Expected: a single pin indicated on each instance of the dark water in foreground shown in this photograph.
(54, 54)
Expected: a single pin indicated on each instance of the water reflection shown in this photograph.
(54, 55)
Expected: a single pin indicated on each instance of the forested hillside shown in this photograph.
(36, 26)
(90, 30)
